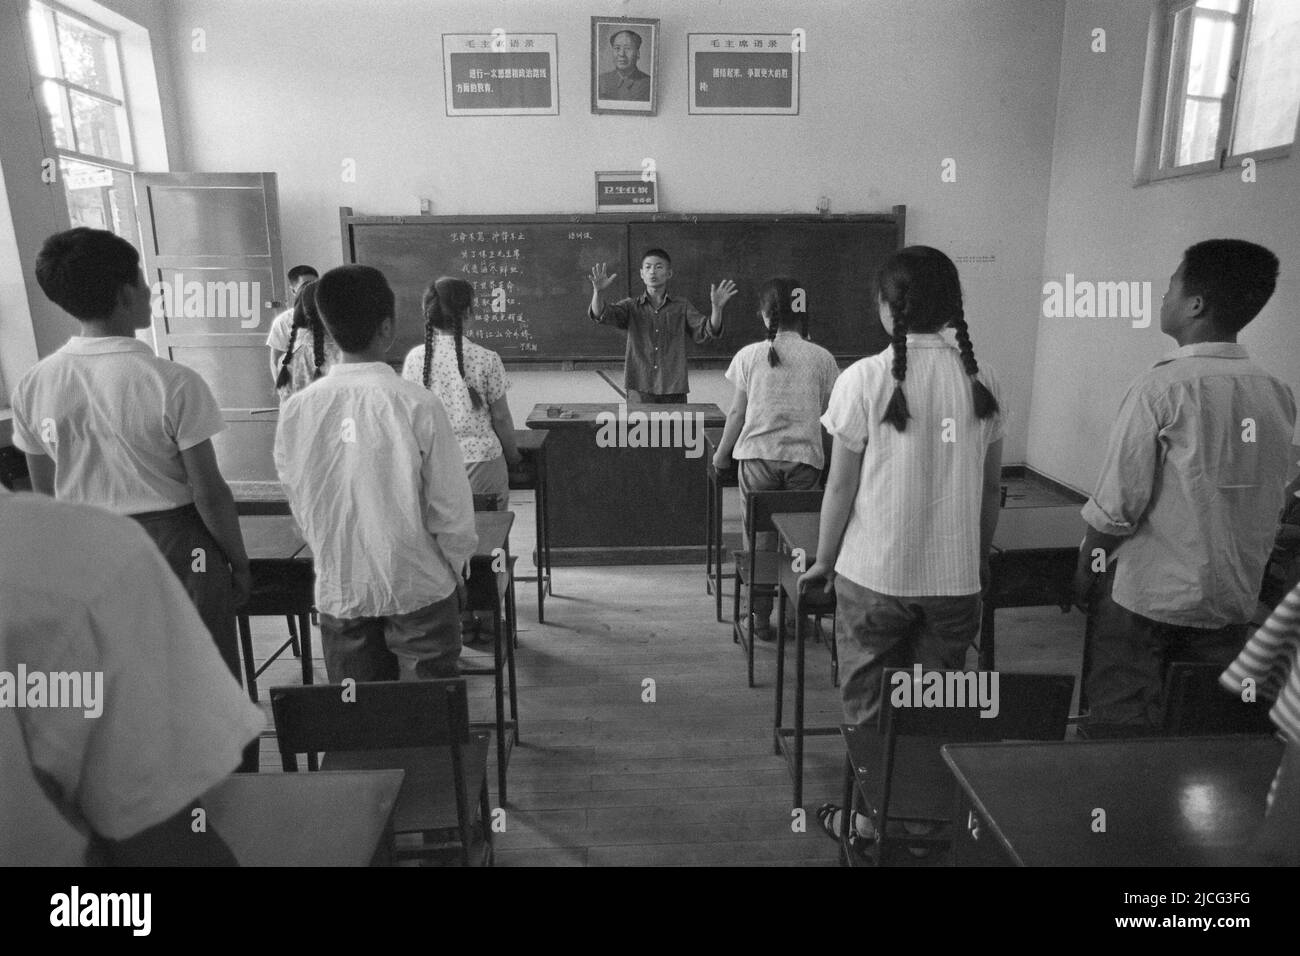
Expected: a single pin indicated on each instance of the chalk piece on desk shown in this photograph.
(568, 414)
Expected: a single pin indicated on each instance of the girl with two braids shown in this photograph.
(471, 383)
(773, 431)
(912, 498)
(300, 366)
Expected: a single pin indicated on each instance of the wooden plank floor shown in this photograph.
(601, 777)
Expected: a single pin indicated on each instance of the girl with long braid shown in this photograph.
(782, 387)
(912, 497)
(301, 366)
(471, 382)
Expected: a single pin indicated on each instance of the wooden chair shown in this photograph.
(281, 588)
(1197, 705)
(758, 572)
(897, 774)
(421, 727)
(715, 482)
(488, 592)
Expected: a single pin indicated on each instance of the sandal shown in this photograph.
(864, 830)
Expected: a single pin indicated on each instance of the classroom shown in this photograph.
(877, 421)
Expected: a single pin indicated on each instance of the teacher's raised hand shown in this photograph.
(720, 294)
(599, 280)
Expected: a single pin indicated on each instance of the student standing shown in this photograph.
(117, 780)
(278, 339)
(1185, 509)
(657, 325)
(299, 367)
(471, 383)
(774, 426)
(103, 421)
(376, 482)
(913, 493)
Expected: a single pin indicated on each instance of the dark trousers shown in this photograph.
(875, 631)
(1128, 658)
(759, 474)
(635, 397)
(204, 572)
(420, 645)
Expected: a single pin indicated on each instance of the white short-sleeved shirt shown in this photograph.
(115, 418)
(377, 484)
(915, 526)
(278, 335)
(484, 370)
(86, 591)
(784, 403)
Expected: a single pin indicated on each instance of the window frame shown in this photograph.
(1161, 145)
(67, 86)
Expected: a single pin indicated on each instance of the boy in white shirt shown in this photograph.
(115, 778)
(104, 421)
(377, 484)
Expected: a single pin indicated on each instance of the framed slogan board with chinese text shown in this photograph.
(541, 265)
(498, 74)
(743, 72)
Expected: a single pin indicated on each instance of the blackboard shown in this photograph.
(537, 266)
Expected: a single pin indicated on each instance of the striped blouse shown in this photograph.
(1272, 659)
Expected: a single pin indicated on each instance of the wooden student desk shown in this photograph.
(622, 505)
(1032, 563)
(532, 476)
(328, 818)
(1186, 801)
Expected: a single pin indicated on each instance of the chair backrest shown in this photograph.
(969, 706)
(483, 583)
(1197, 705)
(764, 504)
(949, 707)
(376, 715)
(280, 586)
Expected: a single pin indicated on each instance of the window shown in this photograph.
(1230, 83)
(80, 74)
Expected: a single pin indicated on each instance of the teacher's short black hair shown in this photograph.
(298, 272)
(82, 269)
(636, 37)
(353, 301)
(659, 253)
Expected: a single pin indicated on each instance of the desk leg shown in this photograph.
(798, 700)
(543, 489)
(541, 560)
(246, 647)
(717, 536)
(987, 614)
(304, 639)
(780, 668)
(709, 528)
(498, 667)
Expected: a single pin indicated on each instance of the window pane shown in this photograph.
(38, 21)
(99, 197)
(1270, 84)
(56, 106)
(1228, 6)
(1210, 57)
(101, 128)
(1200, 132)
(89, 57)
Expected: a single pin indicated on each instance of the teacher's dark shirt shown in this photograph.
(656, 340)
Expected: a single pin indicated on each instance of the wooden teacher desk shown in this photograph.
(1185, 801)
(625, 505)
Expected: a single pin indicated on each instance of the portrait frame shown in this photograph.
(604, 71)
